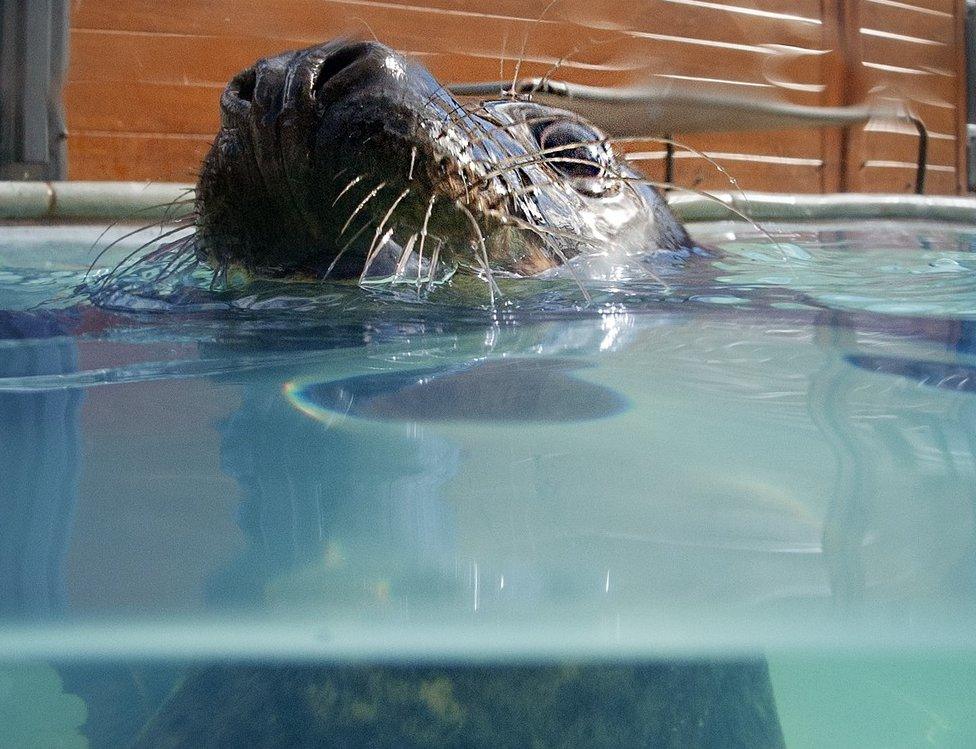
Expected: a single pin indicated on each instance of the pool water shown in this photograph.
(729, 507)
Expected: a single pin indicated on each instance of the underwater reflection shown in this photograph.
(679, 704)
(353, 513)
(386, 507)
(876, 544)
(947, 376)
(347, 514)
(314, 495)
(39, 466)
(476, 391)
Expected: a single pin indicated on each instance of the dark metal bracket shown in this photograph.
(923, 154)
(33, 54)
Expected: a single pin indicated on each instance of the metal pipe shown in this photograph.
(138, 202)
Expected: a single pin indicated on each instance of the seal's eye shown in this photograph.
(572, 148)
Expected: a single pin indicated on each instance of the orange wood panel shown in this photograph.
(133, 106)
(922, 66)
(212, 60)
(172, 59)
(145, 76)
(723, 23)
(938, 117)
(904, 147)
(844, 86)
(786, 143)
(318, 19)
(908, 21)
(135, 157)
(947, 7)
(749, 174)
(933, 62)
(902, 179)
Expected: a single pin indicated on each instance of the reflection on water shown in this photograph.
(445, 515)
(477, 391)
(39, 453)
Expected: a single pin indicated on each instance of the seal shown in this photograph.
(349, 160)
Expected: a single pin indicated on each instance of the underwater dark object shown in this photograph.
(682, 704)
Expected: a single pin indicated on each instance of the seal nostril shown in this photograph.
(235, 101)
(340, 60)
(243, 84)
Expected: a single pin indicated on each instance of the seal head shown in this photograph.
(348, 159)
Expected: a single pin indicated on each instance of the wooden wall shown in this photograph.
(145, 75)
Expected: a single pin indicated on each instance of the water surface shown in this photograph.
(773, 454)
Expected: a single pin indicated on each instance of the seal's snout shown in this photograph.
(306, 136)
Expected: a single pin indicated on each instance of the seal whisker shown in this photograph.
(435, 257)
(368, 27)
(536, 157)
(121, 265)
(484, 134)
(362, 204)
(377, 245)
(454, 116)
(612, 141)
(589, 44)
(559, 234)
(372, 256)
(492, 286)
(545, 156)
(572, 271)
(715, 199)
(346, 189)
(404, 257)
(551, 155)
(183, 263)
(114, 280)
(346, 246)
(131, 233)
(447, 115)
(423, 241)
(181, 258)
(525, 41)
(691, 149)
(493, 128)
(501, 62)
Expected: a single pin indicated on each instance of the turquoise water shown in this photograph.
(743, 494)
